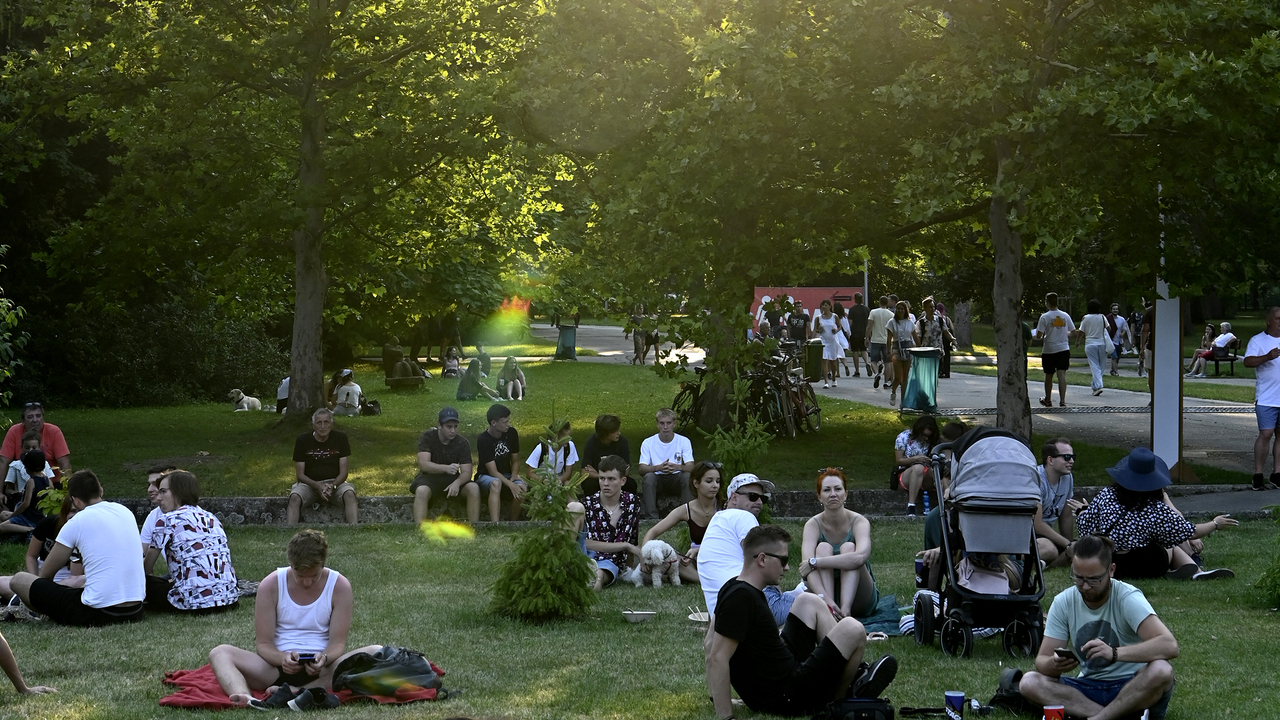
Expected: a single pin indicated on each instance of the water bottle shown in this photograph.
(926, 502)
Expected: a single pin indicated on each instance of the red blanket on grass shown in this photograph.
(200, 689)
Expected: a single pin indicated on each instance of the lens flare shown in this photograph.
(442, 531)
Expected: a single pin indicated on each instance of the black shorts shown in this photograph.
(62, 604)
(858, 343)
(158, 599)
(437, 483)
(814, 681)
(1148, 561)
(296, 680)
(1054, 362)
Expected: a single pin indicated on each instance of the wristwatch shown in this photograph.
(813, 562)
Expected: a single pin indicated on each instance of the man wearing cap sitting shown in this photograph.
(1108, 629)
(797, 672)
(720, 555)
(444, 466)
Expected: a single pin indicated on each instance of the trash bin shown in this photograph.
(813, 360)
(565, 349)
(922, 385)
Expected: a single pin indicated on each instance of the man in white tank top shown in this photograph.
(302, 617)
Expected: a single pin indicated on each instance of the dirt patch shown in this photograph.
(183, 461)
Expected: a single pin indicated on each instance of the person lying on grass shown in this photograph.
(301, 619)
(10, 665)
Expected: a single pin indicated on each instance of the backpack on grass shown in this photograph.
(387, 670)
(857, 709)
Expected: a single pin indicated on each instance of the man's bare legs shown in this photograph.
(422, 501)
(239, 671)
(1062, 387)
(349, 507)
(1265, 443)
(1144, 690)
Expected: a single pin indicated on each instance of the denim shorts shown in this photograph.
(877, 353)
(1268, 416)
(1104, 692)
(610, 567)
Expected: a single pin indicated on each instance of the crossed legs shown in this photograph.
(1143, 691)
(240, 671)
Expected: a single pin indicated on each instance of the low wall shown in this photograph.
(399, 509)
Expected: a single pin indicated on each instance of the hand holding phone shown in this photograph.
(1064, 653)
(306, 658)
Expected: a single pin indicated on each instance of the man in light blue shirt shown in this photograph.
(1056, 503)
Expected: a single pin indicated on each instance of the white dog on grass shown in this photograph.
(658, 561)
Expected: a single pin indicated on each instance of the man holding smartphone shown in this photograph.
(1108, 629)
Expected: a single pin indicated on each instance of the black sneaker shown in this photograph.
(876, 384)
(875, 678)
(1258, 483)
(911, 509)
(1275, 480)
(314, 699)
(280, 698)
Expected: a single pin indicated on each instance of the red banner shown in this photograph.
(812, 297)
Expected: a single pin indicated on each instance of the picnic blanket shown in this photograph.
(199, 689)
(884, 618)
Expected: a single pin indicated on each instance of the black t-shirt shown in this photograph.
(597, 449)
(486, 362)
(498, 450)
(762, 662)
(1149, 322)
(798, 326)
(321, 458)
(457, 451)
(46, 531)
(858, 315)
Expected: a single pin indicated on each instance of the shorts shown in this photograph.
(158, 599)
(815, 678)
(877, 353)
(23, 520)
(858, 343)
(437, 483)
(780, 602)
(1149, 561)
(1104, 692)
(296, 680)
(1268, 416)
(310, 496)
(897, 475)
(609, 567)
(485, 481)
(1054, 362)
(63, 605)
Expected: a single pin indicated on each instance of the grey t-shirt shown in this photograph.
(1115, 623)
(1053, 498)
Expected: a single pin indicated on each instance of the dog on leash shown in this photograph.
(658, 561)
(244, 402)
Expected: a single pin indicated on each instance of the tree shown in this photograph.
(11, 339)
(322, 139)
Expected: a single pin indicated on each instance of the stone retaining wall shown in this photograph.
(399, 509)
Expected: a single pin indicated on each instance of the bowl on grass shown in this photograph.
(638, 616)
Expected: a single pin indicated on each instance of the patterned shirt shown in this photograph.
(195, 546)
(1153, 524)
(599, 528)
(909, 446)
(930, 330)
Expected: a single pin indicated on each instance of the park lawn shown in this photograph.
(433, 598)
(1192, 388)
(250, 454)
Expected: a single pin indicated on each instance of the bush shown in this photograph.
(1269, 583)
(549, 578)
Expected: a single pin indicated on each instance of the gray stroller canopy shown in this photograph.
(997, 469)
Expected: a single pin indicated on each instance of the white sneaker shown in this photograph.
(1190, 374)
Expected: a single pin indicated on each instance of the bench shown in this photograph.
(1227, 354)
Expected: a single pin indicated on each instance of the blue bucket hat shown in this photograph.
(1141, 471)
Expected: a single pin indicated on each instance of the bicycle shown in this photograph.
(687, 404)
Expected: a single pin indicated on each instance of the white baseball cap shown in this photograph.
(743, 479)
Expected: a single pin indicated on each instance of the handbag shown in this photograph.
(1110, 346)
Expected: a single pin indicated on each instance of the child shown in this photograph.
(30, 475)
(10, 665)
(16, 479)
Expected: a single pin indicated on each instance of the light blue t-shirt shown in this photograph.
(1053, 498)
(1115, 623)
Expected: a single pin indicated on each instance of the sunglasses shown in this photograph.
(755, 496)
(33, 405)
(1069, 457)
(713, 465)
(784, 559)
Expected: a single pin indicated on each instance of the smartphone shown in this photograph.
(1064, 653)
(306, 658)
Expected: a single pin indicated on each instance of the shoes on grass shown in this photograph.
(314, 699)
(1215, 574)
(277, 700)
(874, 678)
(1186, 572)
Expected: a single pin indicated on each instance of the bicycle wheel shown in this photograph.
(785, 411)
(812, 413)
(685, 406)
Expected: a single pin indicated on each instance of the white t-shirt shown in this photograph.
(720, 555)
(106, 534)
(1268, 373)
(18, 477)
(1055, 327)
(1115, 623)
(878, 320)
(655, 452)
(348, 396)
(149, 526)
(282, 392)
(566, 454)
(1094, 328)
(1224, 338)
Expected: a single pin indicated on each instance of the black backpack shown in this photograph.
(857, 709)
(385, 671)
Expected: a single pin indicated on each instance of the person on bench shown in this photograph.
(665, 462)
(301, 619)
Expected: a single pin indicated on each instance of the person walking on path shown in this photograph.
(1094, 328)
(1261, 354)
(1056, 327)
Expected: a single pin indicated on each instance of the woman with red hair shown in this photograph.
(835, 550)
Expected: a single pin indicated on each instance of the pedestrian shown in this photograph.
(1261, 354)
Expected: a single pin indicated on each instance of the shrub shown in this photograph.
(1269, 583)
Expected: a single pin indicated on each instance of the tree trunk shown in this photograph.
(306, 365)
(962, 319)
(1013, 407)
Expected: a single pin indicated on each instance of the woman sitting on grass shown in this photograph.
(43, 538)
(348, 397)
(704, 482)
(451, 363)
(911, 451)
(511, 382)
(470, 387)
(201, 578)
(835, 551)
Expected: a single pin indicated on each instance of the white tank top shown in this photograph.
(303, 628)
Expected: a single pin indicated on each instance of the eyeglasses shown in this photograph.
(1069, 457)
(1090, 581)
(784, 559)
(754, 496)
(713, 465)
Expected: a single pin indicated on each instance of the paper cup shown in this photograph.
(1054, 712)
(921, 579)
(954, 704)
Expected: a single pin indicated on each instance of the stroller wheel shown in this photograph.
(924, 619)
(1021, 640)
(957, 638)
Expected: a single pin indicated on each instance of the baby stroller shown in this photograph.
(987, 520)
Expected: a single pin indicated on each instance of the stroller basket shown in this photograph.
(992, 529)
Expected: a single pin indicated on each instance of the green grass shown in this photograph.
(433, 598)
(251, 453)
(1206, 389)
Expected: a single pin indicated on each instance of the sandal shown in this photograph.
(1046, 402)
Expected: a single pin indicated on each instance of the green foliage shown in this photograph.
(549, 578)
(11, 340)
(1269, 583)
(50, 500)
(745, 440)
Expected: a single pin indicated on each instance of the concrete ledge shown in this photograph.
(787, 504)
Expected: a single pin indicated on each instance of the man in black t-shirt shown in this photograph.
(444, 467)
(858, 315)
(798, 323)
(813, 661)
(320, 464)
(605, 441)
(499, 471)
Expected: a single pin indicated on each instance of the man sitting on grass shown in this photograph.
(612, 523)
(301, 619)
(320, 460)
(1110, 626)
(106, 535)
(796, 673)
(1057, 503)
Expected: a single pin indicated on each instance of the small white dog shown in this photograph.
(658, 560)
(244, 402)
